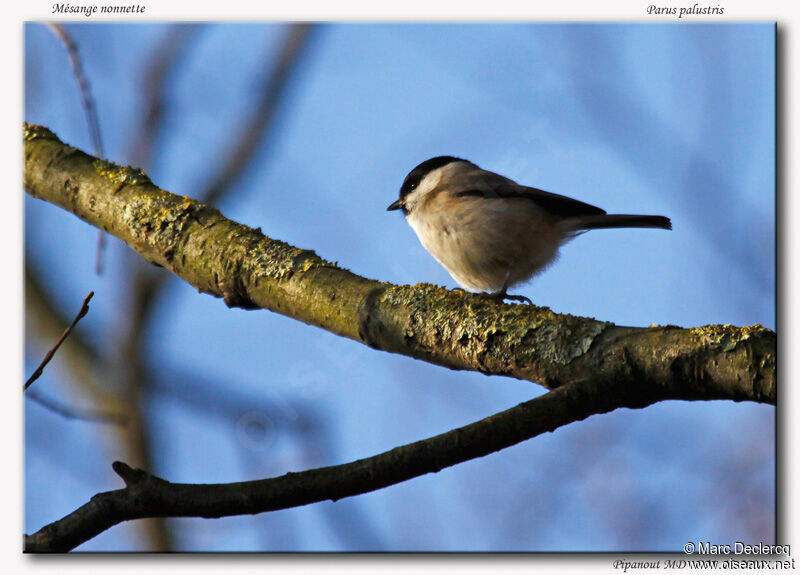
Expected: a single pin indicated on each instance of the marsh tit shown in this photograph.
(491, 233)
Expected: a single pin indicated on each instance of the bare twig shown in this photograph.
(83, 311)
(90, 110)
(76, 412)
(85, 89)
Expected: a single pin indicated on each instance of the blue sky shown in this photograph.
(636, 118)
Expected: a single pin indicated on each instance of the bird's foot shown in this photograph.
(501, 296)
(519, 298)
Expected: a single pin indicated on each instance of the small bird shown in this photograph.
(491, 233)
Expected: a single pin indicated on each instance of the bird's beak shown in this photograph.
(395, 205)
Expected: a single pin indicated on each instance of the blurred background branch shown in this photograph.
(132, 363)
(90, 110)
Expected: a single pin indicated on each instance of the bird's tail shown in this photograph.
(606, 221)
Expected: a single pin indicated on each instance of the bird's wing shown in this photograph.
(497, 186)
(558, 205)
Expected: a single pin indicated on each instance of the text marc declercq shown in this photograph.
(739, 548)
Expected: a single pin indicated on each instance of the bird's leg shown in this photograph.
(502, 295)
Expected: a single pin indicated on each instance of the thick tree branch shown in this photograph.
(449, 328)
(149, 496)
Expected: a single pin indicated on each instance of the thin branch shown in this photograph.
(449, 328)
(90, 111)
(209, 398)
(76, 412)
(84, 88)
(83, 311)
(149, 496)
(43, 316)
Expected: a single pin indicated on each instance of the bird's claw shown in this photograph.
(501, 296)
(519, 298)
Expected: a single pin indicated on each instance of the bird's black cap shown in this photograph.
(415, 176)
